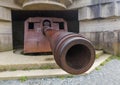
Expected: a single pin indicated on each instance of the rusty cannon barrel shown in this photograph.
(72, 52)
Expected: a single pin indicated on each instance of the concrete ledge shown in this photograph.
(97, 9)
(43, 5)
(84, 3)
(32, 74)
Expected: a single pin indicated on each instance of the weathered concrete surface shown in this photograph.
(32, 74)
(5, 42)
(46, 73)
(5, 36)
(5, 27)
(100, 25)
(5, 14)
(94, 9)
(99, 20)
(12, 61)
(109, 41)
(96, 38)
(9, 4)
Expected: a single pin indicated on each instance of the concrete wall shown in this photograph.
(6, 42)
(100, 22)
(109, 41)
(5, 29)
(98, 25)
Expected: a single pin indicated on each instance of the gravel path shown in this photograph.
(107, 75)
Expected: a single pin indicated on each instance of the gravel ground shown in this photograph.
(107, 75)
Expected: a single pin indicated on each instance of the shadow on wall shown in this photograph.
(96, 9)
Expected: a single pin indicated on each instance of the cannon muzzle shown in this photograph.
(72, 52)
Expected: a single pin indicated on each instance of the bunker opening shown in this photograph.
(19, 17)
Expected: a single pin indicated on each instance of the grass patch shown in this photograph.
(115, 57)
(23, 78)
(44, 67)
(49, 59)
(13, 69)
(48, 66)
(65, 76)
(112, 57)
(97, 56)
(98, 68)
(106, 61)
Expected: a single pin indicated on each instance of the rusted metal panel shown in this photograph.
(34, 39)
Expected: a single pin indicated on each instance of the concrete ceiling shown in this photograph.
(43, 4)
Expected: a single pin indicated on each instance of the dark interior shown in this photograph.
(31, 25)
(18, 18)
(78, 56)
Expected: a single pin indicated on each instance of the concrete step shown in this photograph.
(12, 61)
(98, 61)
(6, 75)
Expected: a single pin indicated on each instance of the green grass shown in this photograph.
(98, 68)
(13, 69)
(97, 56)
(47, 67)
(23, 78)
(65, 76)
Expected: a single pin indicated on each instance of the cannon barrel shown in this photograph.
(72, 52)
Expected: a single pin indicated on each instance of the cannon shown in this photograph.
(72, 52)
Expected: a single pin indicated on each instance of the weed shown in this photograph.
(98, 68)
(13, 69)
(23, 78)
(47, 67)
